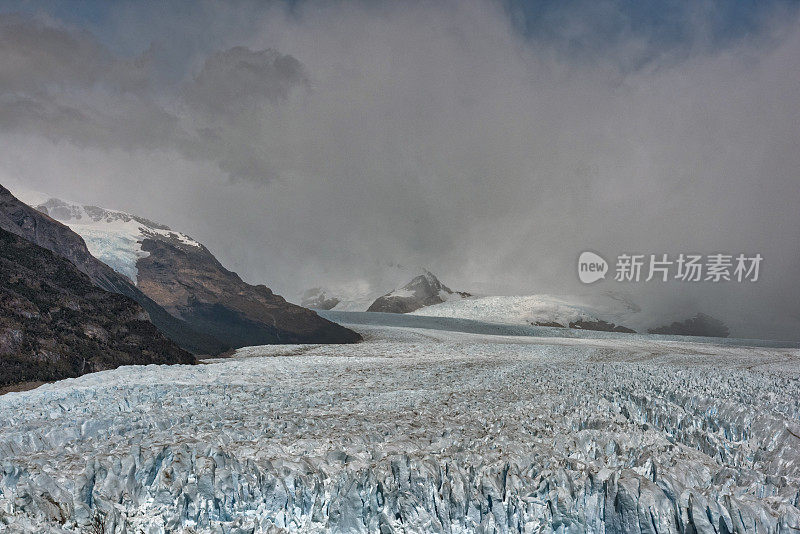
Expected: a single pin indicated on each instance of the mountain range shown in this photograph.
(184, 278)
(55, 323)
(400, 289)
(38, 228)
(64, 312)
(423, 290)
(87, 288)
(426, 295)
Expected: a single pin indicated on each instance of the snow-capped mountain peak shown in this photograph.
(114, 237)
(423, 290)
(318, 299)
(188, 282)
(412, 287)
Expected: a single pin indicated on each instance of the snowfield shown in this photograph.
(113, 237)
(415, 431)
(532, 309)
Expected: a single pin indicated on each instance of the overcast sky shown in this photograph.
(314, 143)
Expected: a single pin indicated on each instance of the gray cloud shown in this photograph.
(239, 80)
(64, 85)
(37, 57)
(317, 146)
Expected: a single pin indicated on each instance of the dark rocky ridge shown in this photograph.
(423, 290)
(189, 282)
(55, 323)
(601, 326)
(699, 325)
(39, 228)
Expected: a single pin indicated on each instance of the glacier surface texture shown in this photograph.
(415, 431)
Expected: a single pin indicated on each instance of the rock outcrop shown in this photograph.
(55, 323)
(600, 326)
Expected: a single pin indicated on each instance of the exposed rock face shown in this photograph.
(699, 325)
(602, 326)
(588, 324)
(55, 324)
(317, 299)
(183, 276)
(551, 324)
(20, 219)
(189, 282)
(423, 290)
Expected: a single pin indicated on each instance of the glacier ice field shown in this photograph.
(416, 430)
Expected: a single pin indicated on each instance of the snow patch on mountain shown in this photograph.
(316, 298)
(117, 245)
(358, 295)
(114, 237)
(402, 293)
(423, 290)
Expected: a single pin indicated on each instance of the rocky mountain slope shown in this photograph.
(423, 290)
(20, 219)
(55, 323)
(183, 276)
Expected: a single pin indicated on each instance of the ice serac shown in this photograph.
(423, 290)
(182, 276)
(55, 324)
(416, 432)
(39, 228)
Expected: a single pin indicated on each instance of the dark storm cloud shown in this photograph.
(134, 125)
(233, 98)
(319, 144)
(239, 79)
(64, 85)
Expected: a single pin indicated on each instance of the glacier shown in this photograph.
(541, 308)
(416, 430)
(114, 237)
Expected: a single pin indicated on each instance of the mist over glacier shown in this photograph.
(317, 143)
